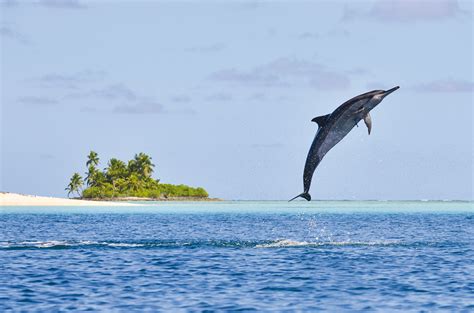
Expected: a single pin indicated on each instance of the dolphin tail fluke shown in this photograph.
(305, 195)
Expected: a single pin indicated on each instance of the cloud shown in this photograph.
(144, 106)
(334, 32)
(219, 97)
(9, 32)
(285, 72)
(55, 4)
(253, 77)
(181, 99)
(61, 4)
(271, 32)
(115, 92)
(111, 92)
(8, 3)
(67, 81)
(257, 97)
(447, 85)
(406, 11)
(251, 5)
(37, 101)
(115, 98)
(130, 102)
(204, 49)
(148, 106)
(308, 35)
(339, 32)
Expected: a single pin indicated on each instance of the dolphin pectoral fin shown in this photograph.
(321, 120)
(368, 122)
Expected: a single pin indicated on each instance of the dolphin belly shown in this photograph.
(324, 141)
(337, 133)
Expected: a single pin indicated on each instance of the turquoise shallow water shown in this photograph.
(243, 255)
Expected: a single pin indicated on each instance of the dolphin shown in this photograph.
(335, 126)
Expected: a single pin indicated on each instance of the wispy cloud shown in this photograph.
(55, 4)
(339, 32)
(116, 91)
(220, 97)
(118, 98)
(10, 33)
(111, 98)
(258, 96)
(285, 72)
(250, 77)
(147, 106)
(251, 4)
(405, 11)
(181, 98)
(62, 4)
(334, 32)
(271, 32)
(8, 3)
(37, 101)
(67, 81)
(209, 48)
(447, 85)
(308, 35)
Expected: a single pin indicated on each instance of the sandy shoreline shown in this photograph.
(15, 199)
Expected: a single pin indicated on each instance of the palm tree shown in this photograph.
(75, 185)
(91, 173)
(92, 159)
(141, 164)
(92, 162)
(133, 183)
(132, 167)
(115, 169)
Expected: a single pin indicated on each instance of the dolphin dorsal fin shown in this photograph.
(321, 120)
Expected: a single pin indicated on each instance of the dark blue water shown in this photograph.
(298, 259)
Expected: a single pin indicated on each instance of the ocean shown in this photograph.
(239, 256)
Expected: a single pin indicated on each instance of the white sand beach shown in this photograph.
(15, 199)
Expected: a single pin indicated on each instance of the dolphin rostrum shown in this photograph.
(335, 126)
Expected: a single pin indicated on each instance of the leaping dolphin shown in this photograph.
(335, 126)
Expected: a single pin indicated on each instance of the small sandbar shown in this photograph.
(15, 199)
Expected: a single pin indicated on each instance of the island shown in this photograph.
(131, 181)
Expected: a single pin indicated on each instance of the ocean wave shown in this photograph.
(281, 243)
(58, 244)
(123, 244)
(150, 244)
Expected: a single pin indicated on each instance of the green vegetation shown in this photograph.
(132, 179)
(75, 185)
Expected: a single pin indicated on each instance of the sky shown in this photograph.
(221, 94)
